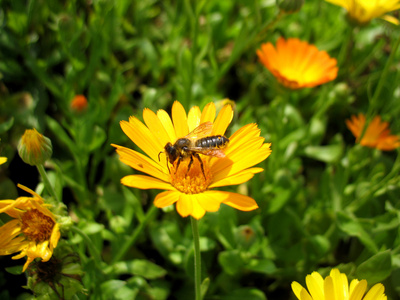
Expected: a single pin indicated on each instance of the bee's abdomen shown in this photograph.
(213, 142)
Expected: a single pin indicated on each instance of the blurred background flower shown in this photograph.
(297, 64)
(377, 134)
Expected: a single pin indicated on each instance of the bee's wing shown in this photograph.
(204, 129)
(208, 152)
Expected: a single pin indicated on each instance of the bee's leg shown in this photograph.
(190, 164)
(201, 163)
(177, 165)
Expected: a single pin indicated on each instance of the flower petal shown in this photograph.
(155, 126)
(238, 201)
(209, 200)
(235, 179)
(167, 123)
(296, 288)
(180, 120)
(142, 163)
(142, 137)
(167, 198)
(223, 120)
(315, 287)
(146, 182)
(375, 292)
(357, 289)
(184, 206)
(208, 114)
(194, 118)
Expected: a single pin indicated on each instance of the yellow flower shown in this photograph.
(296, 64)
(192, 189)
(33, 231)
(363, 11)
(34, 148)
(336, 286)
(377, 135)
(3, 160)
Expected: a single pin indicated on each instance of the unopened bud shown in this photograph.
(79, 103)
(34, 148)
(290, 6)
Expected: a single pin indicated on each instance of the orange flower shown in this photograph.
(377, 135)
(189, 183)
(79, 103)
(296, 64)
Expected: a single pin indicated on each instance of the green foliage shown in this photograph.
(324, 200)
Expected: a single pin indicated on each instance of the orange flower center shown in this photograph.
(191, 181)
(36, 226)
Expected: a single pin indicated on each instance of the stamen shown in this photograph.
(37, 226)
(191, 181)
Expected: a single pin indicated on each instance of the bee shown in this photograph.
(198, 141)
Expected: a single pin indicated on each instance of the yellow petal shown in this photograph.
(391, 19)
(180, 120)
(296, 287)
(314, 287)
(208, 114)
(223, 120)
(146, 182)
(375, 292)
(194, 118)
(357, 289)
(329, 289)
(235, 179)
(142, 163)
(167, 123)
(304, 295)
(3, 160)
(167, 198)
(198, 211)
(156, 127)
(209, 200)
(142, 137)
(184, 206)
(55, 236)
(238, 201)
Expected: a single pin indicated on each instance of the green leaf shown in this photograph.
(16, 270)
(140, 267)
(328, 154)
(376, 269)
(5, 126)
(352, 227)
(231, 261)
(245, 293)
(117, 289)
(265, 266)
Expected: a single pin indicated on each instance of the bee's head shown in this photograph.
(170, 152)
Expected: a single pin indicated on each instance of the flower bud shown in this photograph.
(34, 148)
(79, 103)
(289, 6)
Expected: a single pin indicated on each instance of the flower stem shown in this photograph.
(132, 239)
(46, 182)
(197, 258)
(382, 79)
(92, 248)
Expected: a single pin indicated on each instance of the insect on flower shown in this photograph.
(198, 141)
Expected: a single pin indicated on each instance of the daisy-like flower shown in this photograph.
(377, 135)
(297, 64)
(191, 189)
(363, 11)
(33, 231)
(336, 286)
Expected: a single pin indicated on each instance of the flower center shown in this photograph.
(191, 181)
(37, 226)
